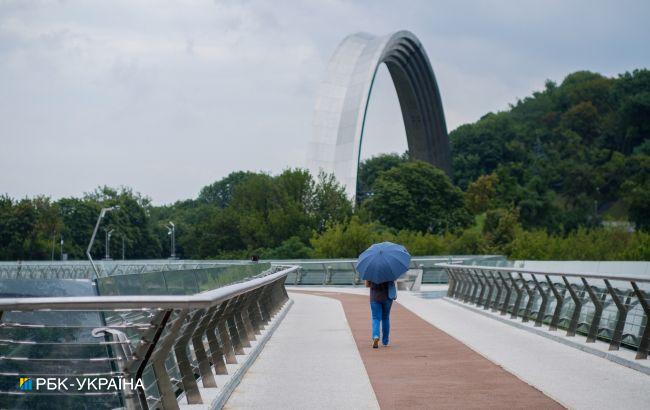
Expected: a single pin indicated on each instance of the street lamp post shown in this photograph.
(171, 231)
(102, 213)
(109, 233)
(53, 238)
(122, 246)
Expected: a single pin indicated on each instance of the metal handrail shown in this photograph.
(628, 308)
(587, 275)
(198, 334)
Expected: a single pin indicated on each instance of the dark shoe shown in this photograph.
(375, 343)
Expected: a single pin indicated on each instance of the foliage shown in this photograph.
(417, 196)
(564, 155)
(480, 193)
(292, 248)
(370, 169)
(583, 244)
(346, 240)
(500, 228)
(220, 192)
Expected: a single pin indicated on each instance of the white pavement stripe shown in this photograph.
(310, 362)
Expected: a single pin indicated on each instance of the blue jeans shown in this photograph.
(381, 313)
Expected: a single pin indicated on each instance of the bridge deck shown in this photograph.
(442, 355)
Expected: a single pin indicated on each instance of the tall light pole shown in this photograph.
(109, 233)
(61, 246)
(102, 213)
(53, 238)
(171, 231)
(122, 246)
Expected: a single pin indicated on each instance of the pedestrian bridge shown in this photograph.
(483, 332)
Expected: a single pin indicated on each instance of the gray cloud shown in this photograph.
(167, 96)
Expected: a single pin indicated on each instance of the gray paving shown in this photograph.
(310, 362)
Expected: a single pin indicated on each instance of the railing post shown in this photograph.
(254, 312)
(326, 275)
(458, 294)
(298, 279)
(470, 286)
(495, 305)
(531, 298)
(559, 301)
(207, 377)
(245, 315)
(163, 383)
(190, 387)
(475, 287)
(592, 334)
(263, 307)
(519, 291)
(452, 282)
(355, 274)
(216, 347)
(644, 343)
(224, 335)
(231, 325)
(237, 319)
(147, 345)
(577, 303)
(486, 306)
(542, 306)
(620, 317)
(506, 301)
(480, 299)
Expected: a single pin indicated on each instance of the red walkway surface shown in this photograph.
(426, 368)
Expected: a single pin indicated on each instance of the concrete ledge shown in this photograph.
(613, 357)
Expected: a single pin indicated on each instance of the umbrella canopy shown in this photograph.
(383, 262)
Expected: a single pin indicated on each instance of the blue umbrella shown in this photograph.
(383, 262)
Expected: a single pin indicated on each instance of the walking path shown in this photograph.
(311, 362)
(441, 356)
(574, 378)
(425, 368)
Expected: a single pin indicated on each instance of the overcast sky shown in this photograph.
(168, 96)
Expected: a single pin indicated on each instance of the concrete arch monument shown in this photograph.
(342, 104)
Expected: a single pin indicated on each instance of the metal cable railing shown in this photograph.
(613, 308)
(169, 343)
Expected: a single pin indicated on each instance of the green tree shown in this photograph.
(371, 168)
(220, 192)
(330, 204)
(418, 196)
(481, 192)
(292, 248)
(500, 228)
(346, 240)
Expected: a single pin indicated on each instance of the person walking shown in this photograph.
(380, 265)
(380, 304)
